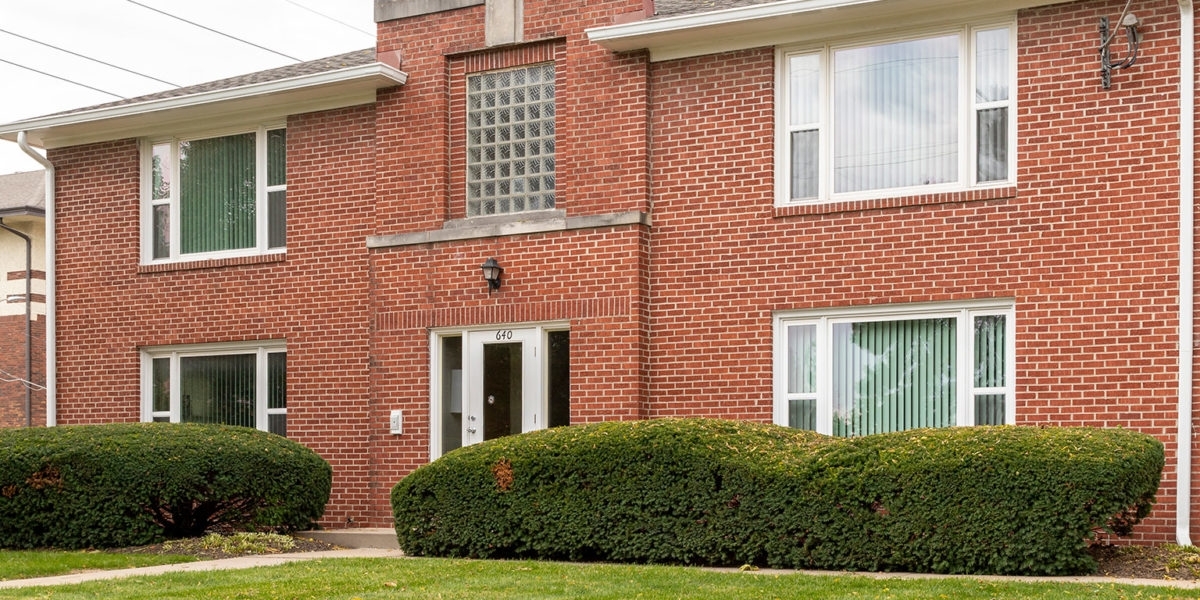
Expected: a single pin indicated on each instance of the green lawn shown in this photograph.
(464, 579)
(20, 564)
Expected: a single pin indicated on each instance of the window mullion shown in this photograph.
(826, 132)
(968, 155)
(824, 379)
(176, 387)
(174, 211)
(965, 372)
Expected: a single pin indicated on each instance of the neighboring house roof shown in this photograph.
(333, 82)
(23, 194)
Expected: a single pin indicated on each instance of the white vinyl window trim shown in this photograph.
(966, 388)
(168, 148)
(819, 121)
(173, 355)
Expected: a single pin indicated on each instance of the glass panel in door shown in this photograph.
(501, 390)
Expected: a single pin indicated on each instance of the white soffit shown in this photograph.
(248, 104)
(791, 22)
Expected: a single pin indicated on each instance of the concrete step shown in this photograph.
(362, 537)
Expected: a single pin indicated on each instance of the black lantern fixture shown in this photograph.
(491, 273)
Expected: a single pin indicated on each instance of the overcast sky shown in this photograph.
(130, 36)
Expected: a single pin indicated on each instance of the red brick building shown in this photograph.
(852, 217)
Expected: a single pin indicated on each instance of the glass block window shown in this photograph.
(510, 140)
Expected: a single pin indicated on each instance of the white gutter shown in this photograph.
(1187, 249)
(367, 77)
(51, 347)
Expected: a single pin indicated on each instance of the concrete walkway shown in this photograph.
(240, 562)
(266, 560)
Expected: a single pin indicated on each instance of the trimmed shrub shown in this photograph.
(98, 486)
(1008, 500)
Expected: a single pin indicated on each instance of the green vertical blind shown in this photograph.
(876, 376)
(893, 375)
(218, 193)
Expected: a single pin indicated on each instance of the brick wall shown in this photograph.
(593, 279)
(669, 320)
(12, 362)
(1085, 243)
(315, 297)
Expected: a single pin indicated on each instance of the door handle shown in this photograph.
(470, 430)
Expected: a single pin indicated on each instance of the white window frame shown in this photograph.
(262, 196)
(824, 319)
(967, 117)
(261, 350)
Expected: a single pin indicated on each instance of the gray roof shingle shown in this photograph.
(23, 193)
(674, 8)
(357, 58)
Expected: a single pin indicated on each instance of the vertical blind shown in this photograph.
(218, 193)
(990, 368)
(896, 112)
(802, 376)
(218, 389)
(991, 88)
(277, 190)
(893, 375)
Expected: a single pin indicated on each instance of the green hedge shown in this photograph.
(1009, 500)
(127, 484)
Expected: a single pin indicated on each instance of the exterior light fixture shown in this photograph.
(1133, 38)
(491, 273)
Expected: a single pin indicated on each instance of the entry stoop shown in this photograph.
(364, 537)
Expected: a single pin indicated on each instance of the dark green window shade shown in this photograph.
(218, 194)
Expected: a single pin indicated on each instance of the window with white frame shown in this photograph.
(215, 196)
(882, 369)
(913, 115)
(230, 384)
(510, 140)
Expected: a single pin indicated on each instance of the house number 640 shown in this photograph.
(504, 334)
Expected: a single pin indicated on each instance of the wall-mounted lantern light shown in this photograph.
(1133, 38)
(491, 273)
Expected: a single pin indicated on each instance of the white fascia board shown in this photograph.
(790, 22)
(249, 103)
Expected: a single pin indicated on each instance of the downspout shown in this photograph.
(51, 345)
(28, 321)
(1187, 249)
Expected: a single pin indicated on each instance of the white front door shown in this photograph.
(503, 394)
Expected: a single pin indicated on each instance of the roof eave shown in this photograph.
(272, 99)
(788, 22)
(22, 211)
